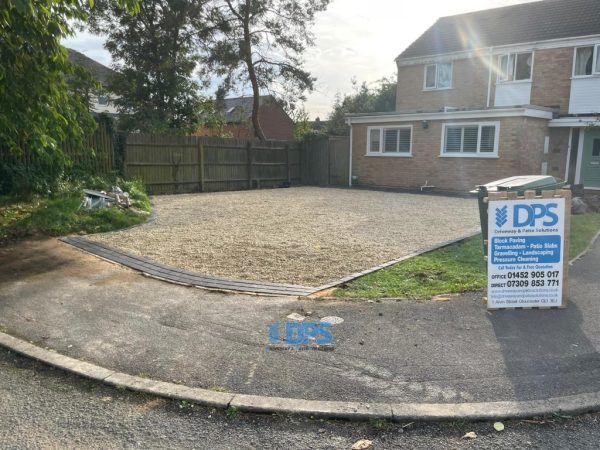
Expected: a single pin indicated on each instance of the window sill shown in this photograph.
(584, 77)
(498, 83)
(389, 155)
(467, 155)
(436, 89)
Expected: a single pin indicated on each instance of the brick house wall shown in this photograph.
(520, 152)
(558, 152)
(551, 87)
(552, 71)
(469, 87)
(275, 122)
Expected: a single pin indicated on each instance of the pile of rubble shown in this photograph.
(101, 199)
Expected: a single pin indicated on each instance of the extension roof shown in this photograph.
(523, 23)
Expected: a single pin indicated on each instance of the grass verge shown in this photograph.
(59, 213)
(451, 270)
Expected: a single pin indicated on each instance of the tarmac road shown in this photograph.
(44, 408)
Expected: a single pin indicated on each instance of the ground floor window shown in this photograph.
(390, 141)
(470, 139)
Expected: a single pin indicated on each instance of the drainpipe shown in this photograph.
(489, 93)
(349, 122)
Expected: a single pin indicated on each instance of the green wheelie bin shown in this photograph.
(519, 184)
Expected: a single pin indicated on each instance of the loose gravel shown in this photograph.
(305, 235)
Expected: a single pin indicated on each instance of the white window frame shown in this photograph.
(596, 49)
(477, 154)
(499, 80)
(380, 152)
(436, 88)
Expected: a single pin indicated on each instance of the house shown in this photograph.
(100, 102)
(487, 95)
(237, 115)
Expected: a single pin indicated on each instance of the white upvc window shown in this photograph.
(389, 141)
(515, 67)
(587, 61)
(474, 140)
(438, 76)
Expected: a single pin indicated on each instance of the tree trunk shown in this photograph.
(258, 132)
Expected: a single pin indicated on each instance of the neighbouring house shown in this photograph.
(100, 101)
(487, 95)
(237, 117)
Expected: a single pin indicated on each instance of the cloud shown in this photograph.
(354, 39)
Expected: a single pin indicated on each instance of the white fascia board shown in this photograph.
(525, 46)
(453, 115)
(573, 122)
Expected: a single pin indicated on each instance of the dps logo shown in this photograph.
(301, 336)
(532, 215)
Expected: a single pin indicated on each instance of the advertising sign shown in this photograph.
(526, 251)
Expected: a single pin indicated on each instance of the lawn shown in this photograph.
(59, 214)
(454, 269)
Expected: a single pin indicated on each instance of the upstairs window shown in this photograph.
(515, 67)
(438, 76)
(473, 139)
(587, 61)
(390, 141)
(103, 99)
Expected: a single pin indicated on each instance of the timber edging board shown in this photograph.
(180, 276)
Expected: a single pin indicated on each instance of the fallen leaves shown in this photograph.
(470, 435)
(498, 426)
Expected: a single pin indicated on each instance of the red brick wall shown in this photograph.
(275, 123)
(520, 153)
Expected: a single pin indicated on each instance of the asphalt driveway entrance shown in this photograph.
(408, 351)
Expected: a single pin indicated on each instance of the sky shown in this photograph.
(355, 39)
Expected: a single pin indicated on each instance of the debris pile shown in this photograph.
(101, 199)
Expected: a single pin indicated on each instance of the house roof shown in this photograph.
(239, 109)
(523, 23)
(100, 72)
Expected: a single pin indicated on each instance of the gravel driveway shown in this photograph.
(303, 235)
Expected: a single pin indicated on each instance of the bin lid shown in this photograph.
(523, 182)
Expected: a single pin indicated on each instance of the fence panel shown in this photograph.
(98, 157)
(326, 161)
(339, 160)
(179, 164)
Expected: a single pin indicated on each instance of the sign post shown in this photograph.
(528, 249)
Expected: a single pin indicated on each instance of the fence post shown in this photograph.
(250, 162)
(201, 164)
(288, 163)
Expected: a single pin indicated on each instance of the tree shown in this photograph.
(260, 43)
(156, 54)
(381, 98)
(37, 110)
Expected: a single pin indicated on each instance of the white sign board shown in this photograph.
(525, 253)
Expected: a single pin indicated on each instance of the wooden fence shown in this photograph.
(180, 164)
(326, 161)
(100, 160)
